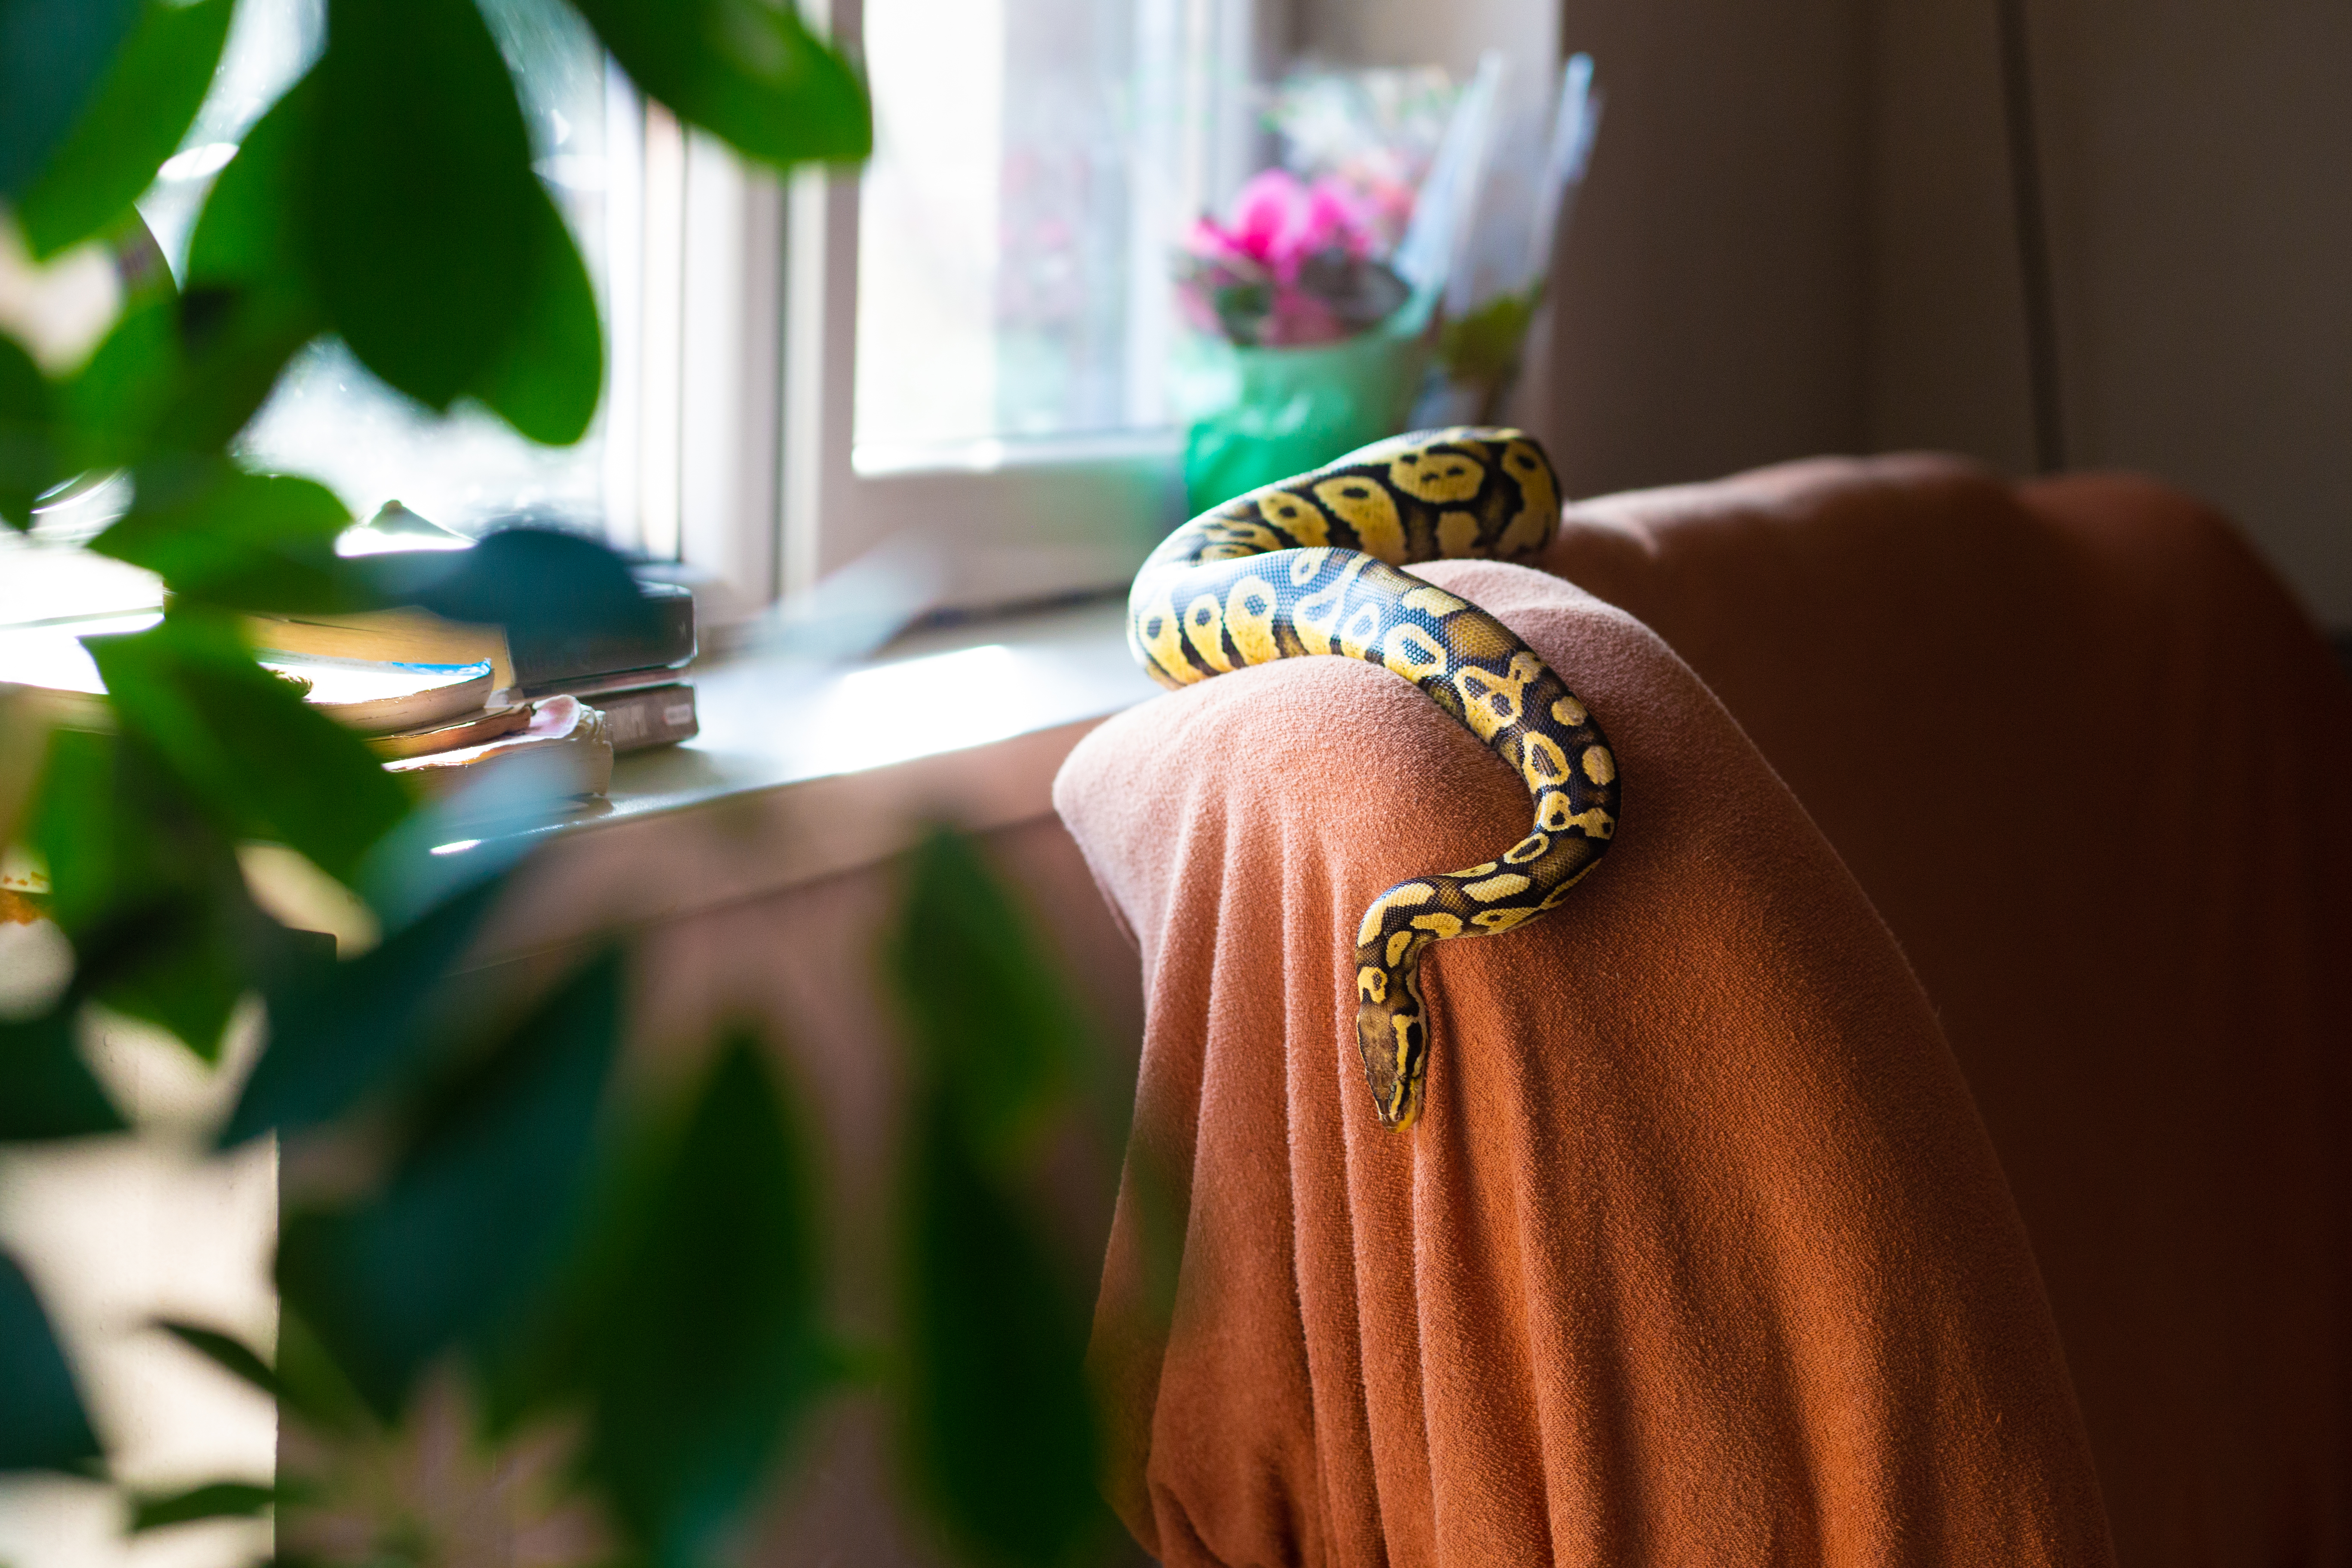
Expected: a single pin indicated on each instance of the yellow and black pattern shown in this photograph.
(1311, 566)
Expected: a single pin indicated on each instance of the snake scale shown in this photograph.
(1310, 565)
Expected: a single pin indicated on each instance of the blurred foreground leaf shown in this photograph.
(993, 1024)
(214, 532)
(45, 1090)
(243, 740)
(148, 888)
(305, 1385)
(182, 373)
(23, 741)
(703, 1349)
(218, 1499)
(747, 70)
(546, 377)
(420, 205)
(53, 55)
(481, 1201)
(350, 1029)
(996, 1422)
(231, 1355)
(28, 455)
(42, 1424)
(134, 119)
(535, 582)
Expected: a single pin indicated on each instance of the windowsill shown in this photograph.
(801, 774)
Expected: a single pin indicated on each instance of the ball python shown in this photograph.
(1310, 565)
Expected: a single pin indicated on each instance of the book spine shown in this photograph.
(543, 660)
(648, 717)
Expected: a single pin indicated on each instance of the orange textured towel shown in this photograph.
(2095, 771)
(1700, 1253)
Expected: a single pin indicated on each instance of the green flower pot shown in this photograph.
(1258, 414)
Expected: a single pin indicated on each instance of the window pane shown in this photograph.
(329, 419)
(1010, 279)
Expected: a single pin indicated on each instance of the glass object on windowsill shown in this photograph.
(1525, 198)
(1254, 414)
(1008, 267)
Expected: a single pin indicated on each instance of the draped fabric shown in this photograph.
(2094, 769)
(1700, 1253)
(1931, 1114)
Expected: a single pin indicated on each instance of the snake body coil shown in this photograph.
(1310, 565)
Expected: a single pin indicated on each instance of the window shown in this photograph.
(956, 353)
(329, 419)
(979, 325)
(957, 350)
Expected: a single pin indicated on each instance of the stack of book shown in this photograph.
(441, 701)
(441, 720)
(636, 678)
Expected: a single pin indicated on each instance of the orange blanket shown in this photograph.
(1700, 1253)
(2095, 771)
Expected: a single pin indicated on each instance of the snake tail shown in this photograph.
(1314, 566)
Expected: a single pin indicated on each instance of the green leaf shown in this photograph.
(42, 1424)
(535, 582)
(53, 55)
(252, 542)
(112, 406)
(246, 742)
(746, 69)
(479, 1207)
(996, 1422)
(148, 888)
(218, 1500)
(106, 819)
(133, 122)
(185, 374)
(354, 1027)
(253, 225)
(230, 1355)
(45, 1090)
(28, 458)
(706, 1350)
(546, 379)
(990, 1019)
(421, 207)
(305, 1383)
(995, 1419)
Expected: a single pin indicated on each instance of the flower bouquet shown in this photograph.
(1312, 326)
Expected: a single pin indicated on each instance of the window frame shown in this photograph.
(999, 521)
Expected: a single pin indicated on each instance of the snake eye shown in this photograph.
(1151, 627)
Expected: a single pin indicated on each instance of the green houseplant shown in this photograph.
(645, 1274)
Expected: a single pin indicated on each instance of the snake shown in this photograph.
(1313, 565)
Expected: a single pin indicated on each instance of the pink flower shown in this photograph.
(1277, 222)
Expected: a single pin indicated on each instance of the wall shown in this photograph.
(2199, 158)
(2194, 154)
(1706, 292)
(1798, 237)
(1705, 311)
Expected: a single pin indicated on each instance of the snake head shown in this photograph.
(1394, 1039)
